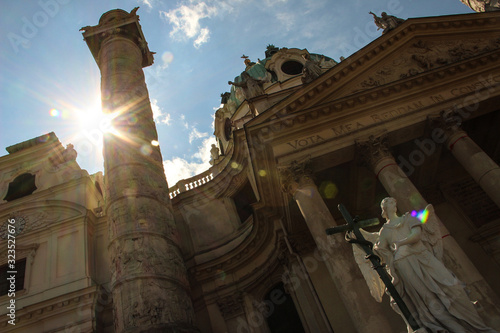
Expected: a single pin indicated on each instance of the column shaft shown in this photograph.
(366, 314)
(477, 163)
(148, 277)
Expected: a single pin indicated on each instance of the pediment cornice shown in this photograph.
(364, 70)
(381, 95)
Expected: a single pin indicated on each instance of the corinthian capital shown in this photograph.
(373, 150)
(448, 120)
(297, 174)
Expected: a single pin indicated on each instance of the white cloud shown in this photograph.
(202, 38)
(213, 121)
(186, 18)
(195, 134)
(286, 20)
(179, 168)
(272, 3)
(158, 115)
(147, 3)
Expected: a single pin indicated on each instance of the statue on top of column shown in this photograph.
(386, 22)
(410, 246)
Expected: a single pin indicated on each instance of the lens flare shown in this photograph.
(54, 112)
(221, 274)
(167, 58)
(64, 114)
(422, 215)
(328, 190)
(146, 150)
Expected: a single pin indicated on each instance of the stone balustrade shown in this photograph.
(188, 184)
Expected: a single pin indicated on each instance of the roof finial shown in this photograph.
(247, 62)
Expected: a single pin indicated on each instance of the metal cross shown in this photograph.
(354, 225)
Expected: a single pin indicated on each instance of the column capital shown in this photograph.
(117, 23)
(373, 150)
(449, 121)
(296, 175)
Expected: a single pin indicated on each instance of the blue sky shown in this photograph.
(50, 82)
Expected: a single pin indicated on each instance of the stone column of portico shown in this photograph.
(148, 277)
(477, 163)
(366, 314)
(376, 154)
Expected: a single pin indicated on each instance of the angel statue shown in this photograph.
(386, 22)
(411, 249)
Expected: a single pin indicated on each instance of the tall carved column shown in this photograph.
(366, 314)
(149, 283)
(477, 163)
(377, 156)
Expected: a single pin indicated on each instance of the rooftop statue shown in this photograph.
(482, 5)
(219, 122)
(251, 87)
(311, 69)
(386, 22)
(412, 251)
(214, 154)
(248, 63)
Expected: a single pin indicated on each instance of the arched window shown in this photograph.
(21, 186)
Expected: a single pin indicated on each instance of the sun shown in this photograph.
(92, 119)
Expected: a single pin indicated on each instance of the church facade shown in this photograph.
(242, 247)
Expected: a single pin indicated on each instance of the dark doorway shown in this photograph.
(283, 316)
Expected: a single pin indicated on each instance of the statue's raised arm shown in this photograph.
(379, 22)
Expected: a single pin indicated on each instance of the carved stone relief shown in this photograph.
(423, 56)
(231, 306)
(41, 217)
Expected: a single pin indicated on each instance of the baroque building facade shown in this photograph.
(242, 247)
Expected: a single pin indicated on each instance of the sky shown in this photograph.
(49, 81)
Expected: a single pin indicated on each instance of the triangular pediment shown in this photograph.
(417, 47)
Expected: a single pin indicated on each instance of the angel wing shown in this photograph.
(375, 284)
(432, 235)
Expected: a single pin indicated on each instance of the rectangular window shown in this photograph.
(5, 284)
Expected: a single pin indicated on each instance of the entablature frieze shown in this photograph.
(79, 300)
(388, 108)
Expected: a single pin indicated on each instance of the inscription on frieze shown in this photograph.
(473, 92)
